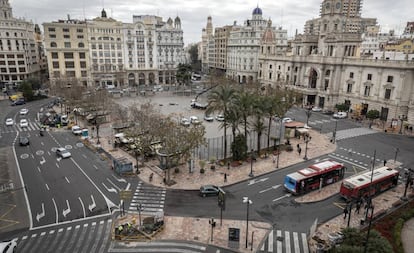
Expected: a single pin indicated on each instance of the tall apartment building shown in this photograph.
(325, 65)
(19, 56)
(104, 52)
(206, 36)
(408, 31)
(221, 36)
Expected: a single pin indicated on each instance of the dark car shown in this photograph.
(24, 141)
(209, 190)
(19, 102)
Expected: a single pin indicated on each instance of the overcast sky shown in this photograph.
(291, 14)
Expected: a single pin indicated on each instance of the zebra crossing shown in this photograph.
(279, 241)
(32, 126)
(87, 237)
(149, 198)
(352, 132)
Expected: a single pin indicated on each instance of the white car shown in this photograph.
(8, 247)
(63, 153)
(287, 120)
(194, 120)
(220, 117)
(340, 115)
(208, 118)
(76, 130)
(316, 109)
(24, 123)
(24, 111)
(9, 122)
(185, 122)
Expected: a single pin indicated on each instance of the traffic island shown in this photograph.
(136, 228)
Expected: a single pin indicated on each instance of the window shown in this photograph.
(22, 70)
(55, 55)
(351, 74)
(53, 44)
(69, 64)
(390, 79)
(81, 55)
(81, 45)
(68, 55)
(83, 64)
(65, 30)
(67, 44)
(55, 64)
(83, 73)
(79, 36)
(387, 94)
(369, 77)
(52, 36)
(349, 88)
(51, 29)
(66, 36)
(79, 30)
(367, 90)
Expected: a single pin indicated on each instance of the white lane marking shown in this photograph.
(120, 179)
(282, 197)
(67, 210)
(279, 242)
(39, 169)
(113, 184)
(67, 180)
(83, 207)
(84, 156)
(47, 187)
(268, 189)
(42, 214)
(270, 240)
(109, 189)
(57, 165)
(93, 205)
(56, 210)
(42, 161)
(96, 168)
(346, 161)
(255, 181)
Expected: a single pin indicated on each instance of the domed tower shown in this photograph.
(5, 10)
(170, 22)
(257, 13)
(268, 41)
(177, 23)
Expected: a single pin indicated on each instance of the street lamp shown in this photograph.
(280, 139)
(139, 209)
(248, 203)
(407, 182)
(213, 224)
(308, 114)
(334, 132)
(370, 207)
(97, 129)
(396, 152)
(307, 138)
(251, 164)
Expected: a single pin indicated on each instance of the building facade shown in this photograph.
(104, 52)
(325, 65)
(206, 39)
(19, 52)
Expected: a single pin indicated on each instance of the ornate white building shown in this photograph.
(19, 55)
(326, 67)
(105, 52)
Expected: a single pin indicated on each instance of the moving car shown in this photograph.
(185, 122)
(24, 141)
(24, 123)
(194, 120)
(76, 130)
(287, 120)
(63, 153)
(208, 118)
(9, 122)
(220, 117)
(340, 115)
(19, 102)
(24, 111)
(209, 190)
(8, 247)
(316, 109)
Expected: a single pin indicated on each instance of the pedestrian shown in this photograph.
(274, 158)
(225, 177)
(298, 146)
(345, 212)
(385, 162)
(358, 206)
(299, 150)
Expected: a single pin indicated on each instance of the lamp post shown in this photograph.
(370, 207)
(334, 132)
(280, 139)
(97, 130)
(213, 224)
(308, 114)
(407, 182)
(396, 152)
(248, 203)
(251, 164)
(306, 146)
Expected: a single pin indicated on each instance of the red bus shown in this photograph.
(310, 178)
(360, 185)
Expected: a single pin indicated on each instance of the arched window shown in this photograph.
(81, 45)
(53, 44)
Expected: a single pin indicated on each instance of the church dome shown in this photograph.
(257, 11)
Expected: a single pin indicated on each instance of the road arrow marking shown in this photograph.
(282, 197)
(42, 161)
(268, 189)
(42, 214)
(66, 211)
(128, 185)
(254, 181)
(109, 189)
(93, 205)
(113, 184)
(120, 179)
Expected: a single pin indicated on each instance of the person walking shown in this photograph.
(358, 206)
(299, 150)
(385, 162)
(225, 177)
(345, 212)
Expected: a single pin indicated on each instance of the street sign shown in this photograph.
(125, 194)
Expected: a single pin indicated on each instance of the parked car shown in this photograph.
(220, 117)
(8, 246)
(19, 102)
(76, 130)
(24, 123)
(340, 115)
(63, 153)
(185, 122)
(316, 109)
(24, 111)
(64, 120)
(194, 120)
(208, 118)
(287, 120)
(9, 122)
(209, 190)
(24, 141)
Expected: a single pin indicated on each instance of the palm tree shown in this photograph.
(270, 107)
(258, 115)
(221, 100)
(244, 103)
